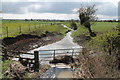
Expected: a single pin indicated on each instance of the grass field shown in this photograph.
(103, 26)
(99, 27)
(25, 27)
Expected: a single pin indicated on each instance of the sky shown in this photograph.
(56, 9)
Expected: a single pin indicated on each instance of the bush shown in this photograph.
(103, 58)
(109, 45)
(103, 55)
(74, 26)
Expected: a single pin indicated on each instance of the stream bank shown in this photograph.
(97, 62)
(27, 42)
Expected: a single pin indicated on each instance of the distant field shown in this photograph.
(99, 27)
(25, 27)
(103, 26)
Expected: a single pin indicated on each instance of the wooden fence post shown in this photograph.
(54, 55)
(1, 35)
(35, 26)
(29, 27)
(36, 58)
(39, 25)
(7, 30)
(20, 29)
(5, 54)
(72, 53)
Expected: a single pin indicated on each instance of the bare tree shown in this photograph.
(86, 16)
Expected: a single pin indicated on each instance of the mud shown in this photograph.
(27, 42)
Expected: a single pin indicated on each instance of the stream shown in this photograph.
(65, 43)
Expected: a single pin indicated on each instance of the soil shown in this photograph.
(19, 72)
(27, 42)
(81, 39)
(66, 59)
(16, 70)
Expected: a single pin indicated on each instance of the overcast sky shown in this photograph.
(56, 9)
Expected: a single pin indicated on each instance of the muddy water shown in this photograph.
(65, 43)
(56, 72)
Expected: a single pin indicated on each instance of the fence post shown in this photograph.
(29, 27)
(35, 26)
(1, 36)
(72, 53)
(5, 54)
(7, 30)
(39, 25)
(20, 29)
(54, 55)
(36, 58)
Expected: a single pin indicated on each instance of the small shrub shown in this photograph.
(74, 26)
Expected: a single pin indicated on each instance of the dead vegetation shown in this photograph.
(96, 65)
(17, 71)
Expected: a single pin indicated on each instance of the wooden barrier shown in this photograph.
(54, 55)
(34, 61)
(36, 58)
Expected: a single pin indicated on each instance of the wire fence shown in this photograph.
(22, 29)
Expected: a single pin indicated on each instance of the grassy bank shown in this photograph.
(98, 27)
(5, 66)
(101, 57)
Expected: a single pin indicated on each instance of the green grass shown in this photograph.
(53, 28)
(67, 24)
(103, 31)
(41, 27)
(80, 31)
(28, 27)
(5, 65)
(0, 70)
(103, 26)
(99, 27)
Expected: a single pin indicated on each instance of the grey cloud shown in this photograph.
(108, 9)
(58, 7)
(13, 7)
